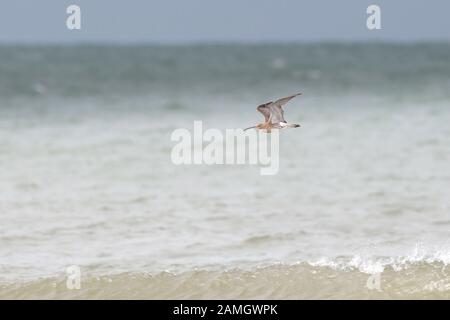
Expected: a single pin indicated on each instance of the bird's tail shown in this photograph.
(293, 125)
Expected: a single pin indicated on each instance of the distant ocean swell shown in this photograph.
(419, 280)
(224, 70)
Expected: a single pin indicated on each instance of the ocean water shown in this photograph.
(86, 176)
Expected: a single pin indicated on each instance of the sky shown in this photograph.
(198, 21)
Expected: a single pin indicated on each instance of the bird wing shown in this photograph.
(265, 110)
(281, 102)
(276, 109)
(276, 114)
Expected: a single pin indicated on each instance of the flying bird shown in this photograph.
(274, 115)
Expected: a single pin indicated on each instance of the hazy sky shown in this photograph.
(173, 21)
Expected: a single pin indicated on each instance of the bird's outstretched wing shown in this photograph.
(265, 110)
(273, 111)
(281, 102)
(276, 114)
(276, 109)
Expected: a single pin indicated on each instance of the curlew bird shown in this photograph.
(274, 115)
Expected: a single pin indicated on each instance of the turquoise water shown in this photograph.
(227, 70)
